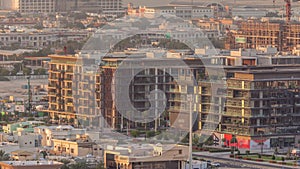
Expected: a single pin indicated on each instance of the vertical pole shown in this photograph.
(29, 95)
(262, 144)
(156, 99)
(190, 99)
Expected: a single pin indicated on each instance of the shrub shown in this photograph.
(134, 133)
(30, 119)
(3, 78)
(273, 157)
(150, 134)
(282, 158)
(259, 155)
(247, 152)
(238, 152)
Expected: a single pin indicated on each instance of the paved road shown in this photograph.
(227, 162)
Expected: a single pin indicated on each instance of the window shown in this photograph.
(72, 150)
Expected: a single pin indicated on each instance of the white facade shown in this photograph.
(185, 12)
(29, 140)
(57, 132)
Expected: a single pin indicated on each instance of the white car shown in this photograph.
(215, 164)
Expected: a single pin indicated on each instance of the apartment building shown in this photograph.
(72, 91)
(262, 104)
(61, 72)
(37, 6)
(255, 99)
(139, 89)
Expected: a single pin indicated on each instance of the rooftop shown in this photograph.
(31, 163)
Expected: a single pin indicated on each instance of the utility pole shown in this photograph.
(29, 95)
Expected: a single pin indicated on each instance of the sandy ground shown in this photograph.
(14, 87)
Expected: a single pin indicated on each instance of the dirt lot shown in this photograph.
(14, 87)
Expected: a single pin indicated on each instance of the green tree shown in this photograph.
(4, 72)
(134, 133)
(195, 141)
(233, 140)
(66, 163)
(71, 120)
(3, 156)
(26, 71)
(150, 134)
(40, 71)
(79, 165)
(56, 117)
(100, 166)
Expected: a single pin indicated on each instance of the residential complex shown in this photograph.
(126, 94)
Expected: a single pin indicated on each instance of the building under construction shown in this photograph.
(285, 36)
(253, 34)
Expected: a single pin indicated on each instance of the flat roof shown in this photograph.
(31, 163)
(15, 52)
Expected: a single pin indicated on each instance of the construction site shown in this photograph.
(253, 33)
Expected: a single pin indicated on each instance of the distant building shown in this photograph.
(106, 7)
(248, 12)
(185, 12)
(39, 39)
(9, 4)
(37, 6)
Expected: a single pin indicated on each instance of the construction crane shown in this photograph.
(288, 9)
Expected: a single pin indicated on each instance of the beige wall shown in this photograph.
(71, 148)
